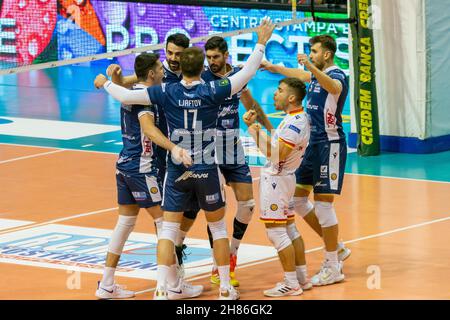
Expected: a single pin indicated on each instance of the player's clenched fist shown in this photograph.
(114, 69)
(303, 60)
(250, 117)
(100, 81)
(181, 155)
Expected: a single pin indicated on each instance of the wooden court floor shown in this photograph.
(397, 229)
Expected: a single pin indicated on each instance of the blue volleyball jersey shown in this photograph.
(191, 112)
(325, 109)
(161, 153)
(137, 155)
(229, 110)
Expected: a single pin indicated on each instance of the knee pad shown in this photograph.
(303, 206)
(292, 231)
(245, 211)
(218, 229)
(325, 214)
(170, 231)
(279, 238)
(124, 226)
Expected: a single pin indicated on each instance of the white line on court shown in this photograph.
(377, 235)
(115, 153)
(30, 226)
(397, 178)
(32, 156)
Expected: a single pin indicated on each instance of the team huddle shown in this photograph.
(180, 132)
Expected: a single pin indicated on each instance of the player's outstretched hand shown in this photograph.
(250, 117)
(181, 155)
(100, 81)
(266, 65)
(265, 31)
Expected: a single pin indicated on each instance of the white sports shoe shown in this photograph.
(114, 291)
(228, 293)
(329, 273)
(160, 294)
(307, 285)
(282, 289)
(343, 252)
(184, 290)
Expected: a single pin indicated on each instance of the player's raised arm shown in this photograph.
(121, 94)
(303, 75)
(251, 104)
(115, 72)
(240, 79)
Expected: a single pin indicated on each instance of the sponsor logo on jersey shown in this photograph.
(294, 128)
(224, 82)
(273, 207)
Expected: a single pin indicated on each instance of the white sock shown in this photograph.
(158, 224)
(234, 246)
(108, 276)
(172, 276)
(180, 237)
(291, 279)
(224, 273)
(331, 256)
(162, 275)
(302, 273)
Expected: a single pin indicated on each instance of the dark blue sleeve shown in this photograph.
(341, 77)
(156, 95)
(220, 90)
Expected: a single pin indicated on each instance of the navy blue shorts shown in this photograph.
(181, 187)
(323, 167)
(239, 173)
(143, 189)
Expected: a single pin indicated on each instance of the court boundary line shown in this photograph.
(40, 224)
(33, 156)
(275, 258)
(115, 153)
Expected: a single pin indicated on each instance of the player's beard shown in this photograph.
(216, 68)
(174, 65)
(319, 65)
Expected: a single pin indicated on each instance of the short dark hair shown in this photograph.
(297, 86)
(178, 39)
(144, 63)
(216, 42)
(326, 41)
(192, 61)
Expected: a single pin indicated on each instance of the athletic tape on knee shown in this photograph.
(245, 211)
(279, 238)
(292, 231)
(124, 226)
(303, 206)
(218, 229)
(325, 214)
(170, 231)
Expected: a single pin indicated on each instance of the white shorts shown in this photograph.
(276, 198)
